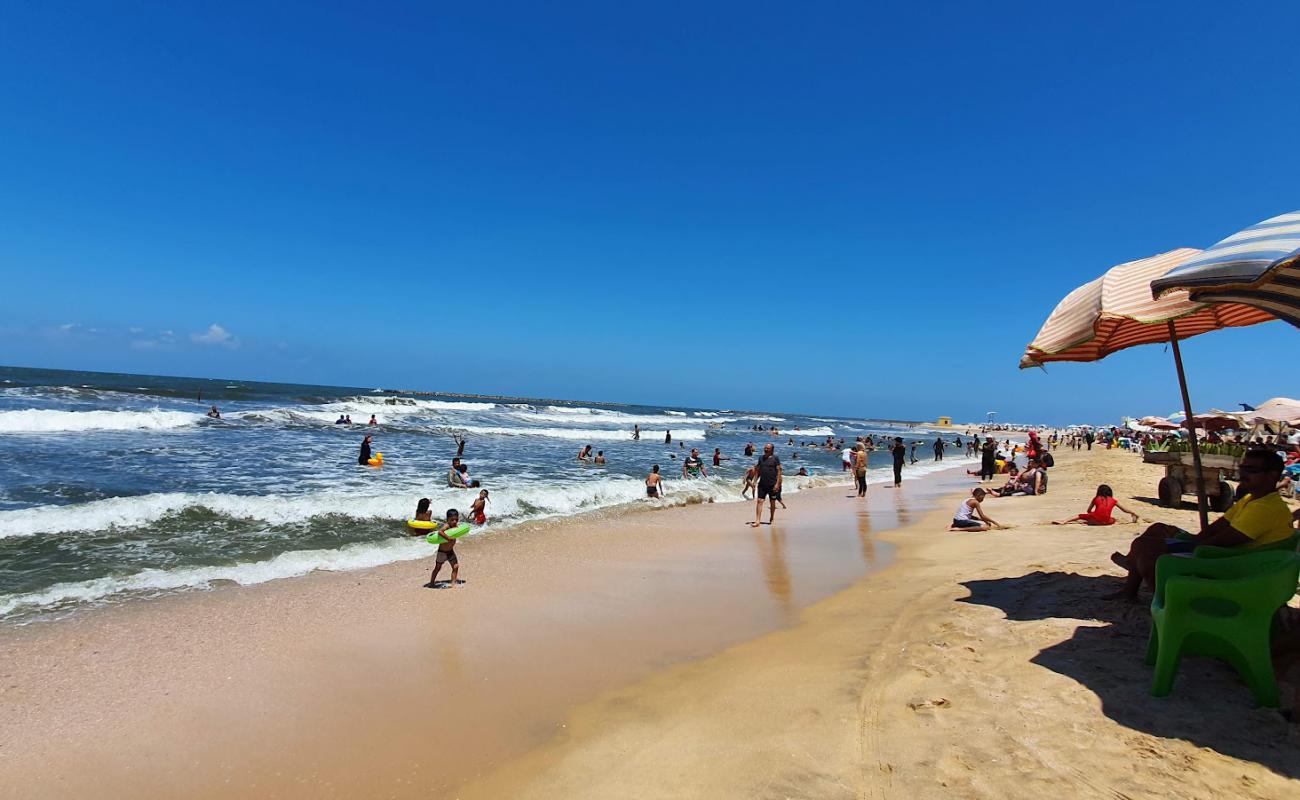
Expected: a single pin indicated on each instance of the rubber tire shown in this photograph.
(1170, 492)
(1224, 501)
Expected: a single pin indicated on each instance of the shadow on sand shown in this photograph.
(1209, 706)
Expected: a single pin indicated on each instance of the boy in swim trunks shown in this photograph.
(654, 483)
(446, 552)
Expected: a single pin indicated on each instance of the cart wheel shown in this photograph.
(1170, 492)
(1224, 501)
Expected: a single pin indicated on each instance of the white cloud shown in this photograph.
(135, 329)
(68, 327)
(216, 335)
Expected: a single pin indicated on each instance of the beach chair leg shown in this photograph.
(1153, 645)
(1255, 666)
(1168, 654)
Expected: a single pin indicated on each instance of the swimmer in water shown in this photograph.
(585, 453)
(214, 413)
(422, 514)
(654, 483)
(600, 457)
(477, 510)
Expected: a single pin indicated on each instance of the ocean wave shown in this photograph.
(579, 415)
(409, 404)
(507, 506)
(35, 420)
(154, 581)
(580, 434)
(820, 430)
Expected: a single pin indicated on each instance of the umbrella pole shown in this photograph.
(1201, 505)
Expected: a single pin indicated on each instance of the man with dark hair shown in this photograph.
(769, 484)
(899, 452)
(1260, 517)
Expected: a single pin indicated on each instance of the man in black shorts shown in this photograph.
(899, 451)
(769, 484)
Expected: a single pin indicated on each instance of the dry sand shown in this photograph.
(668, 654)
(979, 665)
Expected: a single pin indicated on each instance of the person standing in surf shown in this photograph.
(769, 485)
(654, 484)
(363, 458)
(860, 468)
(668, 437)
(899, 451)
(636, 433)
(938, 448)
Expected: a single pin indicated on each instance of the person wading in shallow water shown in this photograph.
(769, 485)
(899, 451)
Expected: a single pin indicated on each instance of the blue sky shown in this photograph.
(814, 207)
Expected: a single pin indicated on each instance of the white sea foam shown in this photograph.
(286, 565)
(578, 434)
(34, 420)
(674, 413)
(507, 506)
(820, 430)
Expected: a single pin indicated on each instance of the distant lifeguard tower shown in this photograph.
(944, 422)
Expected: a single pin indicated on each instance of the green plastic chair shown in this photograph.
(1290, 543)
(1220, 607)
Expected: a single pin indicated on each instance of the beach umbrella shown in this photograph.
(1279, 409)
(1159, 423)
(1259, 266)
(1117, 311)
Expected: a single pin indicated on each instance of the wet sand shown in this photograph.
(672, 654)
(366, 684)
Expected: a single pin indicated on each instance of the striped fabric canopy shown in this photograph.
(1259, 266)
(1117, 311)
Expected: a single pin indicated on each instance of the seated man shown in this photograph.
(1259, 517)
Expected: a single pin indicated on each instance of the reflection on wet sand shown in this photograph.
(868, 544)
(776, 570)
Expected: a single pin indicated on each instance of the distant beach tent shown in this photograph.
(1158, 423)
(1279, 409)
(1259, 266)
(1117, 311)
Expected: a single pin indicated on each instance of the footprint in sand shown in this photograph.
(922, 706)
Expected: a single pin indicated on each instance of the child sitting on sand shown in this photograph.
(970, 516)
(446, 551)
(476, 511)
(1099, 510)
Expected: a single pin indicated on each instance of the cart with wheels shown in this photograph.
(1180, 478)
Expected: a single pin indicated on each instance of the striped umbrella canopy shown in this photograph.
(1117, 311)
(1259, 266)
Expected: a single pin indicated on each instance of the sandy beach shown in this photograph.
(851, 650)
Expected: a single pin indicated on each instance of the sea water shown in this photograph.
(115, 486)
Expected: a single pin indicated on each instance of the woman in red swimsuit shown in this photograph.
(1099, 510)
